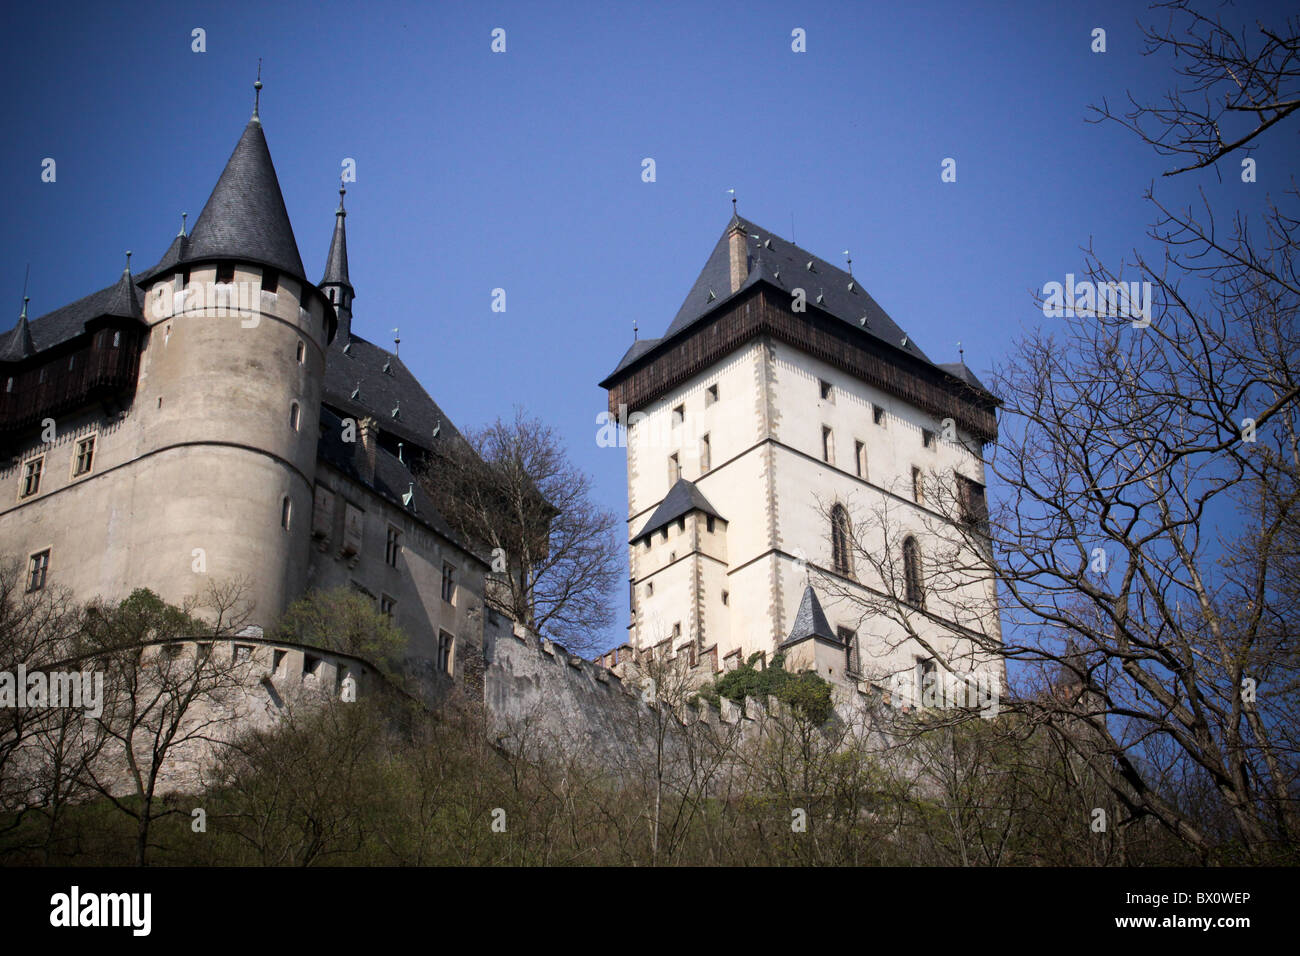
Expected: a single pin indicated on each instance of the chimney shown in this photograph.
(369, 429)
(739, 244)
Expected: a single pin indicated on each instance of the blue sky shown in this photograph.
(522, 170)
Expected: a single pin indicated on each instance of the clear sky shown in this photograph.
(523, 170)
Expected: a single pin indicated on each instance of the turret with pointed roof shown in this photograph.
(18, 344)
(336, 285)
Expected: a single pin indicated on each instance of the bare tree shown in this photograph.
(170, 689)
(510, 489)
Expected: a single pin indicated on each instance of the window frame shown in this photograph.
(33, 569)
(29, 485)
(77, 455)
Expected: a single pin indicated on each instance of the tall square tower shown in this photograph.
(798, 472)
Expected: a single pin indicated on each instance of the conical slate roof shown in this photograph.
(245, 217)
(336, 263)
(810, 621)
(682, 499)
(124, 300)
(17, 345)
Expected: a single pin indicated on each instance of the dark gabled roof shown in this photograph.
(775, 255)
(639, 348)
(393, 479)
(783, 265)
(245, 217)
(336, 263)
(682, 499)
(121, 300)
(810, 621)
(962, 371)
(361, 368)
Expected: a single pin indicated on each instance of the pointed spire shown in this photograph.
(125, 299)
(19, 343)
(335, 284)
(257, 93)
(245, 217)
(336, 263)
(810, 621)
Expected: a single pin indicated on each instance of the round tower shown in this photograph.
(228, 398)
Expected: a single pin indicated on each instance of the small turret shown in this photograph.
(335, 284)
(18, 344)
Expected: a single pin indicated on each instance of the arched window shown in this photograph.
(841, 540)
(912, 572)
(286, 512)
(293, 415)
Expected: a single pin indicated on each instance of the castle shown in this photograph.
(214, 417)
(786, 434)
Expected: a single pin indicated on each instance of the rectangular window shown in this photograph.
(706, 458)
(927, 674)
(677, 629)
(927, 438)
(37, 565)
(386, 605)
(353, 520)
(85, 455)
(679, 415)
(32, 476)
(446, 652)
(828, 446)
(270, 280)
(322, 519)
(971, 502)
(828, 394)
(286, 512)
(117, 339)
(243, 652)
(674, 469)
(918, 492)
(393, 547)
(302, 353)
(878, 415)
(708, 523)
(448, 583)
(860, 458)
(850, 639)
(225, 272)
(310, 665)
(710, 395)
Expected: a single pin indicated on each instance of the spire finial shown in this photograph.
(634, 330)
(257, 90)
(26, 299)
(961, 353)
(733, 201)
(184, 216)
(850, 259)
(27, 274)
(343, 191)
(397, 342)
(128, 262)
